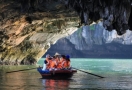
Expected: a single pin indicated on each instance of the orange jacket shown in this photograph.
(48, 64)
(53, 64)
(65, 65)
(59, 65)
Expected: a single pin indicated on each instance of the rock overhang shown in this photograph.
(26, 36)
(31, 29)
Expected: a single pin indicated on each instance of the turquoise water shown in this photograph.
(106, 66)
(117, 73)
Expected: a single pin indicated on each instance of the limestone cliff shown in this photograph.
(29, 27)
(26, 35)
(94, 42)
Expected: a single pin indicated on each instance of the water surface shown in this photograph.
(117, 73)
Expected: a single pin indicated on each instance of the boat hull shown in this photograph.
(56, 74)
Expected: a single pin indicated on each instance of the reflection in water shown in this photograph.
(50, 84)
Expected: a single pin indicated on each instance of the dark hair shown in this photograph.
(67, 59)
(50, 58)
(45, 62)
(54, 57)
(63, 56)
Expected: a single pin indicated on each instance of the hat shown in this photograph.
(56, 54)
(67, 56)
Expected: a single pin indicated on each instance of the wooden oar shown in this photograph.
(89, 73)
(21, 70)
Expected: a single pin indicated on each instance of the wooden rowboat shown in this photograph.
(56, 74)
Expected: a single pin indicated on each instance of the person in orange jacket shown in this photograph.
(58, 61)
(53, 64)
(48, 64)
(63, 62)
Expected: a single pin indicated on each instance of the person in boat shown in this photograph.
(45, 62)
(68, 61)
(59, 62)
(63, 62)
(57, 59)
(53, 64)
(48, 60)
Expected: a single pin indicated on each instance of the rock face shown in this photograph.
(29, 27)
(26, 32)
(115, 14)
(94, 42)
